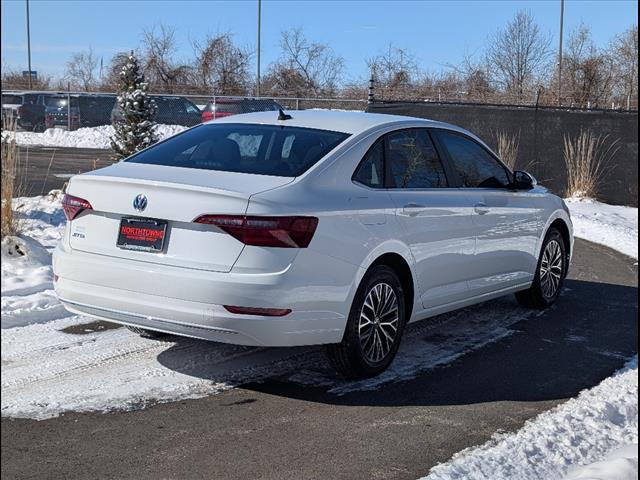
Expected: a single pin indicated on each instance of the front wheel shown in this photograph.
(550, 273)
(374, 327)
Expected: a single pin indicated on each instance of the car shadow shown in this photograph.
(495, 351)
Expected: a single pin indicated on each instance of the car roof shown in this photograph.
(339, 121)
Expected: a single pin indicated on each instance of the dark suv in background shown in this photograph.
(171, 111)
(28, 109)
(58, 108)
(87, 110)
(224, 107)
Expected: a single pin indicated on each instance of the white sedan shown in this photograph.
(316, 227)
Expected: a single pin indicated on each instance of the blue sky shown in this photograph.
(437, 32)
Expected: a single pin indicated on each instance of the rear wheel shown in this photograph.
(550, 273)
(374, 328)
(143, 332)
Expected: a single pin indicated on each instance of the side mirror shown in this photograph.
(523, 180)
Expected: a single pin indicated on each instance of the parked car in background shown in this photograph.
(224, 107)
(334, 228)
(87, 110)
(95, 110)
(171, 111)
(57, 111)
(27, 108)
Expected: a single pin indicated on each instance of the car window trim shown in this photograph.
(437, 130)
(385, 166)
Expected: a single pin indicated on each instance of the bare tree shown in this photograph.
(304, 68)
(13, 80)
(220, 66)
(161, 67)
(395, 71)
(518, 53)
(588, 72)
(624, 52)
(81, 70)
(111, 80)
(473, 78)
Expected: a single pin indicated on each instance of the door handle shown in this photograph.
(413, 209)
(481, 208)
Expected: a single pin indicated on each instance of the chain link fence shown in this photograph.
(41, 110)
(542, 97)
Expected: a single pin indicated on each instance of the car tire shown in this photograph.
(551, 270)
(143, 332)
(374, 327)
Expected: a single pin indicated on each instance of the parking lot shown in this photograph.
(458, 379)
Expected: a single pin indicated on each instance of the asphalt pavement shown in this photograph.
(283, 429)
(49, 168)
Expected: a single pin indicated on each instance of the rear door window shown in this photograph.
(412, 161)
(259, 149)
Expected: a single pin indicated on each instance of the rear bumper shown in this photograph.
(190, 302)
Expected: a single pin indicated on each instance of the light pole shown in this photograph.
(560, 53)
(29, 45)
(258, 53)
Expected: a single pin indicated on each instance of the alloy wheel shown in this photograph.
(378, 325)
(551, 269)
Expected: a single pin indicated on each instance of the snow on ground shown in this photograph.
(618, 465)
(585, 429)
(89, 137)
(611, 225)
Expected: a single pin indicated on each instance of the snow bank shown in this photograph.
(92, 137)
(27, 276)
(621, 464)
(583, 430)
(611, 225)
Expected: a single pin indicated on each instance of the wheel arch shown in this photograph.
(562, 227)
(403, 269)
(565, 227)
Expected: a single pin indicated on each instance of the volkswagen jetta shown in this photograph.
(316, 227)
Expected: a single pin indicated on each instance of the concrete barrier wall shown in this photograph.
(541, 139)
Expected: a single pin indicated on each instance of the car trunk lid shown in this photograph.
(173, 194)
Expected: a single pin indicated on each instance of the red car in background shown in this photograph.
(224, 107)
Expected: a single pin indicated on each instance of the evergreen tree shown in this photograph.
(134, 127)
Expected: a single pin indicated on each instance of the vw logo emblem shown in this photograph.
(140, 202)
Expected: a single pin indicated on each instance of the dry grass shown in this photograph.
(12, 177)
(588, 158)
(507, 148)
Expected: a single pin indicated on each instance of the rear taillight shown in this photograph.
(266, 312)
(282, 232)
(20, 111)
(206, 116)
(73, 206)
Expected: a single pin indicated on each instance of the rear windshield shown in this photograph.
(60, 102)
(261, 149)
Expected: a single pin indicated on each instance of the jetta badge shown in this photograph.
(140, 202)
